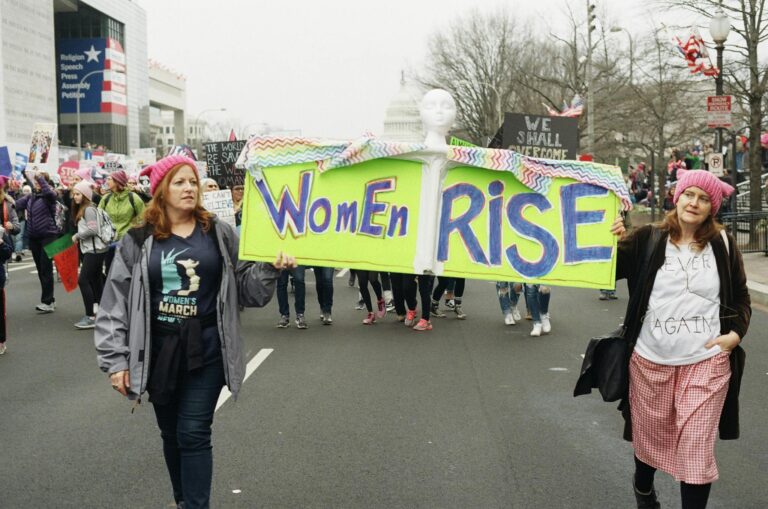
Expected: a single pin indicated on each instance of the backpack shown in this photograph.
(130, 199)
(107, 232)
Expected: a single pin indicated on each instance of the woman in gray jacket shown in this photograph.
(85, 216)
(168, 322)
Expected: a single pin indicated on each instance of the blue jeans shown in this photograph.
(299, 294)
(537, 300)
(324, 282)
(507, 296)
(185, 427)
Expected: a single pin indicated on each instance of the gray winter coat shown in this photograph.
(123, 324)
(88, 232)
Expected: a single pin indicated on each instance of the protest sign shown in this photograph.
(5, 162)
(67, 170)
(43, 151)
(487, 223)
(144, 156)
(220, 203)
(542, 136)
(221, 158)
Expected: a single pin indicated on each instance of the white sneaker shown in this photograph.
(2, 348)
(546, 327)
(45, 308)
(536, 331)
(516, 314)
(509, 319)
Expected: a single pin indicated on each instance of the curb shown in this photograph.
(758, 292)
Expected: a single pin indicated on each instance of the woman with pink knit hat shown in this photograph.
(88, 225)
(691, 312)
(168, 323)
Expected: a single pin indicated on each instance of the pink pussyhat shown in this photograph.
(157, 172)
(713, 186)
(84, 174)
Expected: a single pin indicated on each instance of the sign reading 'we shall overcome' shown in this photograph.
(377, 214)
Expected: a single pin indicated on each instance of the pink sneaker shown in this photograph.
(410, 318)
(382, 311)
(370, 319)
(423, 325)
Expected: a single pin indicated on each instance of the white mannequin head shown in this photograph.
(438, 112)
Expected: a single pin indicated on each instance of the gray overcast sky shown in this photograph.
(327, 67)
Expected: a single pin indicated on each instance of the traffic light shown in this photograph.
(591, 16)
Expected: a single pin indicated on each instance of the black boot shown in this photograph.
(645, 500)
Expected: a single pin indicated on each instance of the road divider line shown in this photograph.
(342, 273)
(249, 369)
(21, 267)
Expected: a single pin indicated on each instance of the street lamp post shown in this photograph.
(79, 88)
(197, 120)
(719, 26)
(590, 92)
(631, 49)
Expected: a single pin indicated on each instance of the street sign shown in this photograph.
(719, 111)
(715, 162)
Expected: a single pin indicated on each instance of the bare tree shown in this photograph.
(475, 59)
(659, 103)
(746, 76)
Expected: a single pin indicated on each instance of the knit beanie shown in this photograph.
(119, 177)
(157, 172)
(713, 186)
(84, 188)
(84, 174)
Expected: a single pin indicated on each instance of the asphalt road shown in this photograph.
(473, 414)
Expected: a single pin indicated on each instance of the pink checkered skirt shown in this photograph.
(675, 415)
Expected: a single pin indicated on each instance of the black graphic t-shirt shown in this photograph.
(185, 274)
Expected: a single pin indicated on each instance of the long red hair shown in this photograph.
(155, 214)
(706, 231)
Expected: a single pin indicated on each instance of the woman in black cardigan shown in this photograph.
(686, 363)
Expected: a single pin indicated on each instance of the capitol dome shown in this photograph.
(402, 121)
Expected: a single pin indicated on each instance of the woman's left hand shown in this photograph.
(74, 239)
(617, 228)
(285, 261)
(727, 342)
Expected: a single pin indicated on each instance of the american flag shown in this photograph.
(575, 109)
(694, 51)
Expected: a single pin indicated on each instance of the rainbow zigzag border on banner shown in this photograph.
(536, 174)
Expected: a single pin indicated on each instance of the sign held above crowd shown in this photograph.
(221, 158)
(542, 136)
(432, 208)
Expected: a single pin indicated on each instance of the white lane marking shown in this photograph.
(342, 273)
(558, 369)
(249, 369)
(21, 267)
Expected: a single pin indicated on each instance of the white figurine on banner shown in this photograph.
(438, 113)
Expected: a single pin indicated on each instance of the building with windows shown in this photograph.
(102, 70)
(27, 70)
(50, 47)
(402, 121)
(167, 102)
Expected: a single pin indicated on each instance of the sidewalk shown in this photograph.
(756, 267)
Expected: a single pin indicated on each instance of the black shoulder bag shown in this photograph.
(606, 365)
